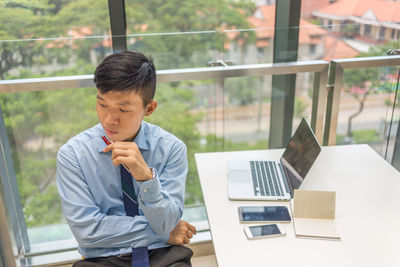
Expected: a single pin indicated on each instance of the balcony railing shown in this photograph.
(335, 87)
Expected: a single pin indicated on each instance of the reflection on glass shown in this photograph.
(263, 230)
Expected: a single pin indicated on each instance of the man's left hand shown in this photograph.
(182, 233)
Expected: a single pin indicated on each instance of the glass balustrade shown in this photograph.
(211, 112)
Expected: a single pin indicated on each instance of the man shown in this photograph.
(125, 198)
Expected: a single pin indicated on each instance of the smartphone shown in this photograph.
(259, 214)
(262, 231)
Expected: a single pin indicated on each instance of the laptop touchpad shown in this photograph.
(239, 176)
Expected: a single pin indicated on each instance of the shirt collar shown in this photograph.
(100, 142)
(140, 139)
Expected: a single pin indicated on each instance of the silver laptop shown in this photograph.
(265, 179)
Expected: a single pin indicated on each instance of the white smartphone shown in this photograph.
(263, 231)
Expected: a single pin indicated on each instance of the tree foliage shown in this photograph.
(202, 22)
(38, 123)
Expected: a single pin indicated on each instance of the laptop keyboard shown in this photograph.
(265, 178)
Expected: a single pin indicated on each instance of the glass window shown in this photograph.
(335, 41)
(249, 46)
(312, 48)
(177, 50)
(182, 34)
(366, 108)
(38, 123)
(367, 30)
(74, 37)
(52, 38)
(330, 24)
(382, 33)
(71, 37)
(47, 39)
(248, 109)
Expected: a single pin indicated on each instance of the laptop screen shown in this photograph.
(300, 154)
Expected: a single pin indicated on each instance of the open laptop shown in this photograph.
(266, 179)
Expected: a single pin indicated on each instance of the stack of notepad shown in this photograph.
(314, 214)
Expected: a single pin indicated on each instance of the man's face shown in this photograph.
(121, 113)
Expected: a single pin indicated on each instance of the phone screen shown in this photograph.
(262, 230)
(264, 213)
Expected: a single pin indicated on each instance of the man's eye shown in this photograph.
(123, 110)
(102, 105)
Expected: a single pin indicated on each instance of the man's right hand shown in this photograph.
(182, 233)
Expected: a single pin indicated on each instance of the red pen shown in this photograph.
(106, 140)
(109, 143)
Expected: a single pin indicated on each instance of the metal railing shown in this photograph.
(319, 67)
(335, 87)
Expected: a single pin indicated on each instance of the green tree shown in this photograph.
(350, 30)
(183, 49)
(360, 83)
(300, 107)
(13, 24)
(39, 123)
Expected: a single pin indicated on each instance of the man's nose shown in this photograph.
(112, 118)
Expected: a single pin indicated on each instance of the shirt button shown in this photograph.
(145, 190)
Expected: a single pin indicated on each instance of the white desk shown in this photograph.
(367, 212)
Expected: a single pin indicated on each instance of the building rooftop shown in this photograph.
(379, 10)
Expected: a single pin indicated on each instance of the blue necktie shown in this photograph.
(140, 256)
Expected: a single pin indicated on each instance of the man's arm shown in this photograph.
(90, 226)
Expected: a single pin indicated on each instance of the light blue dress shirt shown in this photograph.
(91, 194)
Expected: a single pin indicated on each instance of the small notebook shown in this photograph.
(314, 214)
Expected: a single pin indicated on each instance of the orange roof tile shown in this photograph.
(231, 34)
(383, 10)
(310, 33)
(80, 31)
(265, 27)
(336, 48)
(341, 8)
(107, 42)
(262, 43)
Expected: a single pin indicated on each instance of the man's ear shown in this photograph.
(151, 107)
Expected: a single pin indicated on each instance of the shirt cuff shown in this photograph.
(150, 190)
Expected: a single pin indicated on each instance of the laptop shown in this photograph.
(266, 179)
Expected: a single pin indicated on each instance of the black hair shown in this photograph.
(127, 71)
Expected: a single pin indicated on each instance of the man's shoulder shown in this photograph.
(156, 133)
(83, 139)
